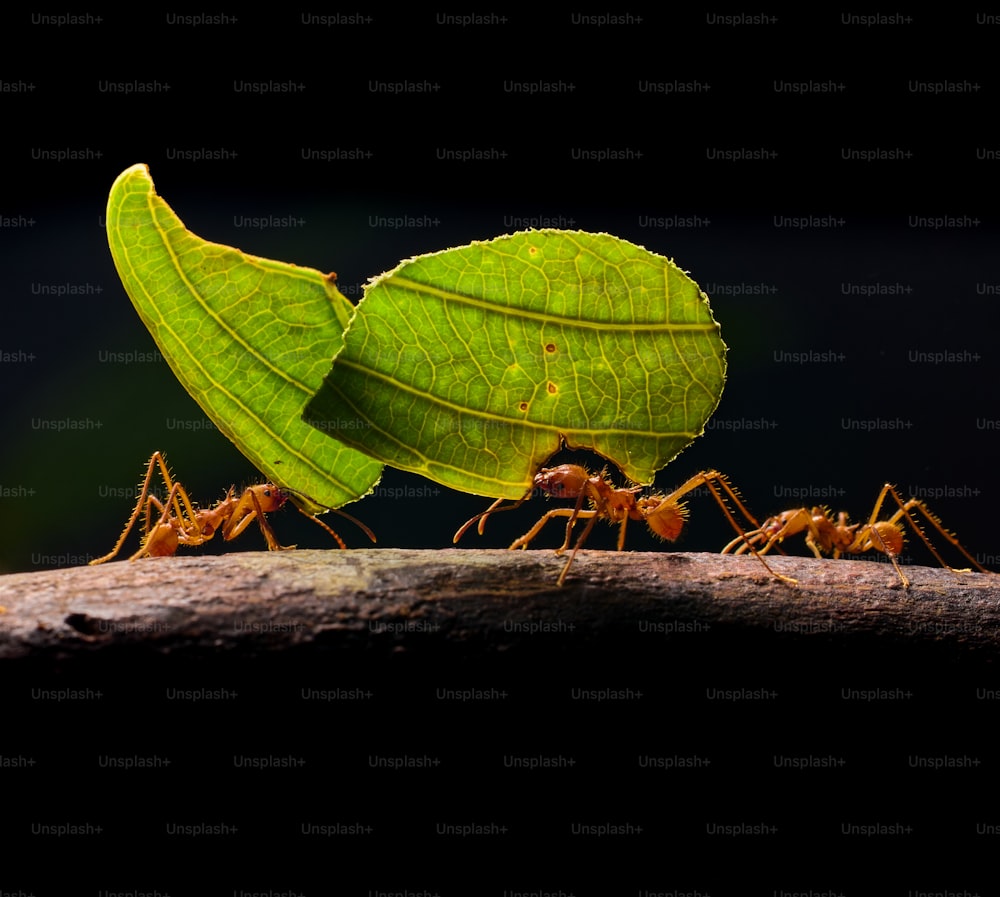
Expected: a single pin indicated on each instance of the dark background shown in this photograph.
(780, 292)
(833, 388)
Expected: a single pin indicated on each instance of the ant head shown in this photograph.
(305, 503)
(564, 481)
(270, 497)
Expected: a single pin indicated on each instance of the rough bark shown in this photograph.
(467, 603)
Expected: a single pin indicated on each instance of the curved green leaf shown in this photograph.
(249, 339)
(472, 366)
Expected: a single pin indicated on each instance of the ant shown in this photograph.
(180, 523)
(824, 535)
(665, 515)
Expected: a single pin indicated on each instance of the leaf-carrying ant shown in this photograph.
(824, 535)
(179, 522)
(665, 515)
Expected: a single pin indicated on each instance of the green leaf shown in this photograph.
(473, 365)
(249, 338)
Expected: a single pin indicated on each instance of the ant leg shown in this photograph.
(815, 549)
(710, 477)
(871, 534)
(188, 528)
(875, 540)
(265, 526)
(329, 529)
(932, 518)
(162, 538)
(593, 515)
(621, 533)
(731, 492)
(315, 519)
(752, 537)
(155, 459)
(298, 497)
(347, 516)
(243, 520)
(775, 530)
(186, 516)
(572, 522)
(545, 518)
(481, 517)
(169, 532)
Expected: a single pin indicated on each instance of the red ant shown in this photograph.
(824, 536)
(180, 523)
(665, 515)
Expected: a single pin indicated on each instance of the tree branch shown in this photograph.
(620, 607)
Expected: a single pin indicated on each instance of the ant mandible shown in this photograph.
(181, 523)
(665, 515)
(837, 538)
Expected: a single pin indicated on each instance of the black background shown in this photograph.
(856, 299)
